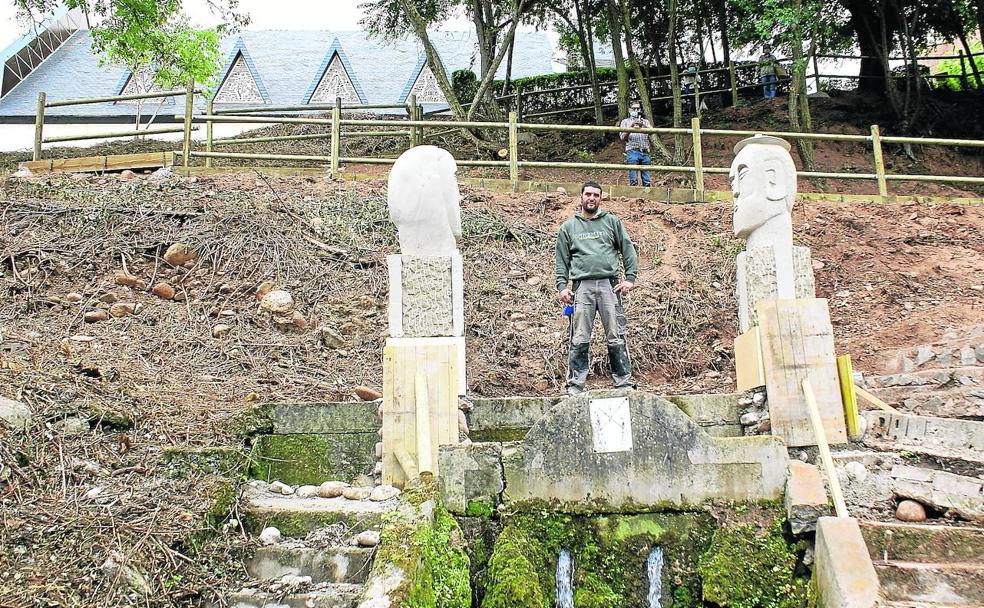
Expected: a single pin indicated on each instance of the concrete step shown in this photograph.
(961, 401)
(935, 436)
(324, 596)
(908, 604)
(330, 565)
(954, 583)
(957, 376)
(923, 543)
(296, 517)
(325, 418)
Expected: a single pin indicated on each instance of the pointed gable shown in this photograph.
(141, 82)
(423, 84)
(240, 81)
(335, 78)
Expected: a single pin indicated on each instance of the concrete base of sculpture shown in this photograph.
(759, 273)
(627, 451)
(426, 296)
(844, 574)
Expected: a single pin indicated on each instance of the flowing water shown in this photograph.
(654, 569)
(565, 584)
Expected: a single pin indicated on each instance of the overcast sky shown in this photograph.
(265, 15)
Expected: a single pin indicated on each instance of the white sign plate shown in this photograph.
(611, 424)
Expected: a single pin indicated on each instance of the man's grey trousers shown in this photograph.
(598, 296)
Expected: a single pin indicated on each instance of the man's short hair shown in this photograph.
(591, 185)
(635, 102)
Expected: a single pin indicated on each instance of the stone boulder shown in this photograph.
(15, 414)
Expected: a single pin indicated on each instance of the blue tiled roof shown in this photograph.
(284, 63)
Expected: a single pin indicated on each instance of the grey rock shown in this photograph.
(979, 351)
(306, 491)
(15, 414)
(923, 354)
(270, 536)
(73, 425)
(383, 492)
(967, 356)
(470, 473)
(749, 418)
(367, 538)
(945, 358)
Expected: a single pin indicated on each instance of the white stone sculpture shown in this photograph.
(423, 200)
(763, 181)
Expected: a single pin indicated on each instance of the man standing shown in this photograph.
(768, 72)
(588, 248)
(636, 144)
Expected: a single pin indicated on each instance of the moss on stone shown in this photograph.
(182, 462)
(513, 580)
(498, 435)
(311, 458)
(751, 567)
(221, 499)
(479, 508)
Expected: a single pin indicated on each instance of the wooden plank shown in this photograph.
(748, 360)
(115, 162)
(840, 507)
(845, 374)
(118, 162)
(798, 344)
(874, 401)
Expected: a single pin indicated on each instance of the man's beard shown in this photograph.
(589, 208)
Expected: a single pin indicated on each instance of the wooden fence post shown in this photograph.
(412, 115)
(419, 117)
(208, 135)
(698, 159)
(879, 160)
(513, 153)
(336, 136)
(964, 85)
(39, 126)
(697, 93)
(189, 110)
(734, 84)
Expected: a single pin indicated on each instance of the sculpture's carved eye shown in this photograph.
(737, 176)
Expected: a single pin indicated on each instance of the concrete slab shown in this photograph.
(670, 461)
(923, 542)
(946, 491)
(332, 417)
(946, 437)
(331, 565)
(472, 481)
(806, 497)
(932, 583)
(333, 596)
(843, 571)
(297, 516)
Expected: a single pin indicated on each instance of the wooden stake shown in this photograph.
(425, 462)
(513, 153)
(734, 85)
(208, 135)
(840, 507)
(874, 401)
(879, 160)
(845, 373)
(698, 159)
(39, 126)
(189, 110)
(336, 136)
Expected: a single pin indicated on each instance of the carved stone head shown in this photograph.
(423, 200)
(763, 182)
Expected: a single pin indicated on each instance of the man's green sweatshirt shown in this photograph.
(589, 249)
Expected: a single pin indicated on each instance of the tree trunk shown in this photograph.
(483, 34)
(592, 65)
(970, 57)
(509, 60)
(647, 103)
(797, 90)
(489, 76)
(722, 7)
(615, 27)
(675, 84)
(980, 19)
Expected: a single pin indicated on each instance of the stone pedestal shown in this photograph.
(764, 276)
(426, 296)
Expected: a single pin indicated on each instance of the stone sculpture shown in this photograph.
(423, 200)
(763, 181)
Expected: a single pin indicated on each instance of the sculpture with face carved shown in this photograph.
(763, 182)
(423, 200)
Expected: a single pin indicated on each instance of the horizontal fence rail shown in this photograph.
(415, 129)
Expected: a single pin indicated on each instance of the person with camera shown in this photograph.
(636, 144)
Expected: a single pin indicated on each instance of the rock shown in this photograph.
(73, 297)
(923, 354)
(534, 281)
(179, 253)
(367, 538)
(15, 414)
(297, 320)
(108, 298)
(270, 536)
(383, 492)
(73, 425)
(279, 487)
(163, 290)
(378, 469)
(818, 265)
(332, 489)
(306, 492)
(22, 172)
(128, 280)
(749, 418)
(112, 568)
(221, 330)
(357, 493)
(330, 338)
(277, 301)
(911, 511)
(161, 174)
(123, 309)
(379, 449)
(94, 493)
(127, 175)
(462, 424)
(368, 394)
(264, 288)
(94, 316)
(856, 471)
(363, 481)
(294, 580)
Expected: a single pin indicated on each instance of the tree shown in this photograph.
(152, 39)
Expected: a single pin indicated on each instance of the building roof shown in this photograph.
(283, 63)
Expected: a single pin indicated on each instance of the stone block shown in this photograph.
(302, 459)
(798, 344)
(330, 418)
(471, 482)
(806, 497)
(182, 461)
(654, 456)
(506, 418)
(945, 491)
(295, 516)
(946, 437)
(844, 574)
(707, 409)
(756, 280)
(332, 565)
(426, 296)
(923, 542)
